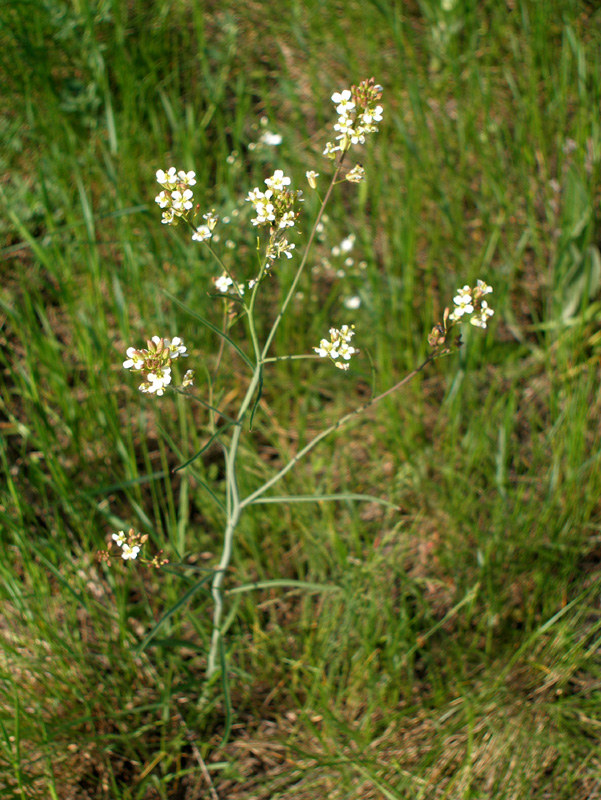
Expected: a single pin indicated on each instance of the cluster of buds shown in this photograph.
(176, 197)
(130, 544)
(358, 114)
(338, 346)
(154, 363)
(469, 302)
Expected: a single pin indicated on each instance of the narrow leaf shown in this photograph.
(284, 583)
(203, 448)
(212, 327)
(168, 614)
(315, 498)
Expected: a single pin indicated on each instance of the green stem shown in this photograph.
(234, 509)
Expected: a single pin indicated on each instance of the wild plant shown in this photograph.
(277, 208)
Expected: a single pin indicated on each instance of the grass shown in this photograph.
(455, 653)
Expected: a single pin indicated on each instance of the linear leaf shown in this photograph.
(168, 614)
(283, 582)
(210, 325)
(203, 448)
(315, 498)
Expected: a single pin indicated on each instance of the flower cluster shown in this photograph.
(470, 301)
(277, 208)
(358, 115)
(130, 544)
(338, 346)
(155, 362)
(176, 197)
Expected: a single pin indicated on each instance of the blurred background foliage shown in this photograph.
(457, 652)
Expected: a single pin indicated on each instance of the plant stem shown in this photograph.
(233, 515)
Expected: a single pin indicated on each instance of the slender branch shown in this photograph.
(307, 449)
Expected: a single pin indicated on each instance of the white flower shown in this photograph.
(254, 195)
(163, 199)
(203, 232)
(346, 245)
(371, 115)
(479, 319)
(119, 538)
(271, 139)
(325, 349)
(129, 552)
(168, 217)
(312, 178)
(346, 351)
(264, 211)
(134, 359)
(483, 288)
(464, 303)
(352, 303)
(252, 283)
(169, 177)
(287, 220)
(176, 347)
(345, 333)
(223, 283)
(189, 178)
(278, 181)
(188, 378)
(343, 99)
(181, 200)
(157, 381)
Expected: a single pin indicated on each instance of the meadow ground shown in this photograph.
(454, 652)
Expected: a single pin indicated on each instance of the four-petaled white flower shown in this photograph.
(480, 318)
(223, 283)
(181, 200)
(157, 381)
(278, 181)
(189, 178)
(120, 538)
(463, 301)
(202, 233)
(169, 177)
(343, 99)
(287, 219)
(482, 287)
(128, 552)
(134, 359)
(176, 347)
